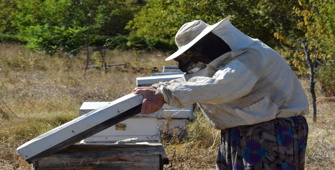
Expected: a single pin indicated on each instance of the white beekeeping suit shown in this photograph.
(247, 85)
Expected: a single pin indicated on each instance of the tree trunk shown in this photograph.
(311, 79)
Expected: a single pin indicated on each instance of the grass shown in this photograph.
(40, 92)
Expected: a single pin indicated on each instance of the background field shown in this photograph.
(39, 92)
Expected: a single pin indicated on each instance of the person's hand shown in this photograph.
(153, 100)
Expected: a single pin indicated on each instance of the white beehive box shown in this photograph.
(144, 127)
(143, 130)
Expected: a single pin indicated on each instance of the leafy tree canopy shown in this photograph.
(51, 25)
(7, 7)
(258, 18)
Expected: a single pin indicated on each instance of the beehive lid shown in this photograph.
(81, 128)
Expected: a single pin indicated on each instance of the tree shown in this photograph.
(66, 25)
(316, 53)
(50, 25)
(258, 18)
(319, 26)
(8, 7)
(265, 19)
(321, 32)
(113, 15)
(162, 19)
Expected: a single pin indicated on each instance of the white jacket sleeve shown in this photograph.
(230, 82)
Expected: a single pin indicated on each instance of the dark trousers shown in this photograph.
(276, 144)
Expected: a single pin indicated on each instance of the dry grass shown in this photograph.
(40, 92)
(321, 142)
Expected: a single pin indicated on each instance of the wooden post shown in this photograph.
(102, 51)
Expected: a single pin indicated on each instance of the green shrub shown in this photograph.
(99, 40)
(117, 42)
(138, 43)
(4, 38)
(159, 44)
(326, 77)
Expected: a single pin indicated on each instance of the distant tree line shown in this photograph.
(293, 27)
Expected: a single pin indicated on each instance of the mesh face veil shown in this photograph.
(203, 52)
(189, 64)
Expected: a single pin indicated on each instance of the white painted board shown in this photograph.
(90, 106)
(143, 129)
(171, 69)
(168, 73)
(80, 128)
(166, 111)
(149, 80)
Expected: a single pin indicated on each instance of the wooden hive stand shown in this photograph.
(106, 157)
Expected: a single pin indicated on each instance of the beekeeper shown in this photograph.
(245, 89)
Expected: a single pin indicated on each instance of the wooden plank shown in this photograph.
(173, 112)
(170, 69)
(115, 64)
(168, 73)
(80, 128)
(147, 81)
(106, 156)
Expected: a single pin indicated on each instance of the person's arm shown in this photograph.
(229, 83)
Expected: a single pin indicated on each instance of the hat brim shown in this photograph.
(195, 40)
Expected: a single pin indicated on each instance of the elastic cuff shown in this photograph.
(162, 90)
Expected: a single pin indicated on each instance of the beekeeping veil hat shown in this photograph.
(190, 33)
